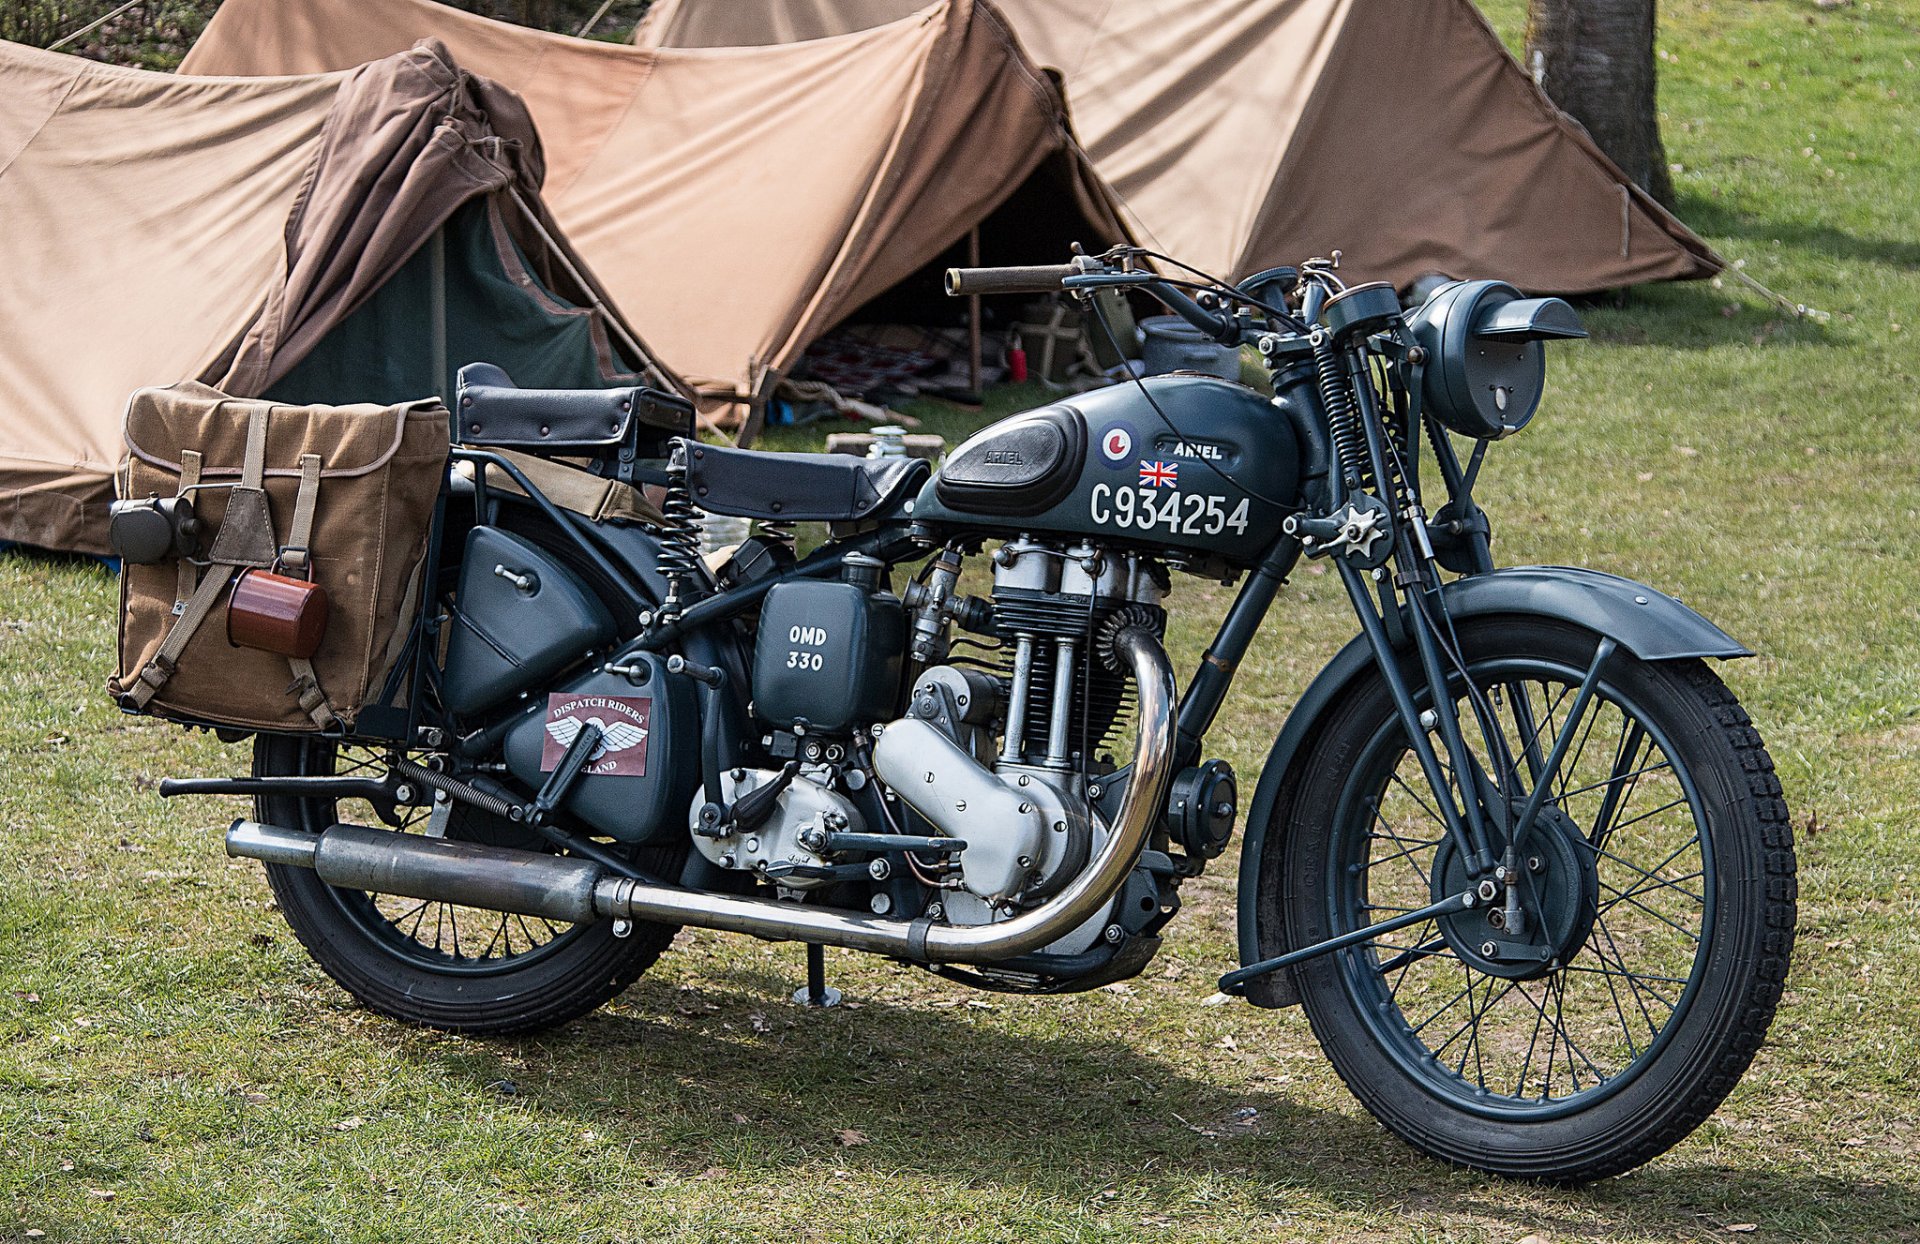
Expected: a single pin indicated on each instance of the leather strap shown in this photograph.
(591, 496)
(246, 530)
(156, 673)
(294, 554)
(253, 469)
(188, 574)
(313, 700)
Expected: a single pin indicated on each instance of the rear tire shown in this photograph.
(1689, 949)
(526, 975)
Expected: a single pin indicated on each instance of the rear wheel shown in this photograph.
(458, 968)
(1661, 873)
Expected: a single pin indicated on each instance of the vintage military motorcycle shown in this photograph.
(1517, 849)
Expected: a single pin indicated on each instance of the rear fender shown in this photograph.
(1648, 623)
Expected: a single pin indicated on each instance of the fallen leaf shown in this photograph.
(714, 1172)
(66, 1164)
(741, 1118)
(348, 1125)
(1228, 1043)
(849, 1137)
(1218, 999)
(103, 1194)
(1743, 1226)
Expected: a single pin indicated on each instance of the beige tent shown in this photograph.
(345, 237)
(740, 202)
(1241, 134)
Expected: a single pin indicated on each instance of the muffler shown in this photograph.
(571, 889)
(468, 874)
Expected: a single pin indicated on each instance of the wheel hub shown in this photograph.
(1559, 891)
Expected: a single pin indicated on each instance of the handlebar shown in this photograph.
(1057, 278)
(1032, 279)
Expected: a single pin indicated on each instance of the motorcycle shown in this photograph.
(1517, 851)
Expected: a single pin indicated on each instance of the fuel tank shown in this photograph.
(1206, 465)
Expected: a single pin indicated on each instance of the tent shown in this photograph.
(344, 237)
(741, 202)
(1242, 134)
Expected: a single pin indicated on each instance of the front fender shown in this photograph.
(1646, 622)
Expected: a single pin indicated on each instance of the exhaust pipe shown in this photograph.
(563, 888)
(469, 874)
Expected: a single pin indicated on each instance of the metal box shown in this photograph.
(829, 657)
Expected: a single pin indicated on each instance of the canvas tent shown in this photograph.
(343, 237)
(1241, 134)
(741, 202)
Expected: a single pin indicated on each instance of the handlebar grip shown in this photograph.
(1033, 279)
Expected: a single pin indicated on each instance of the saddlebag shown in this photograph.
(271, 554)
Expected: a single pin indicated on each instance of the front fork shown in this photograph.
(1398, 597)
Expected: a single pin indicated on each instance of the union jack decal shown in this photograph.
(1159, 474)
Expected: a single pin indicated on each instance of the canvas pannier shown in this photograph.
(319, 515)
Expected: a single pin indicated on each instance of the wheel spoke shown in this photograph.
(1635, 981)
(1409, 954)
(1618, 795)
(1657, 883)
(1685, 932)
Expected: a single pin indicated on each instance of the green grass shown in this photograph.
(164, 1040)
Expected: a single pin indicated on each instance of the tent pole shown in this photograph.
(437, 264)
(640, 354)
(973, 314)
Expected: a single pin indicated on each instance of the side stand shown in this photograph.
(815, 991)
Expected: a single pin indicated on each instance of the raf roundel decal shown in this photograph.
(1116, 445)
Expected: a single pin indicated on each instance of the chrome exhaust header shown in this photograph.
(571, 889)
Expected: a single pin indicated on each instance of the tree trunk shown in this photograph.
(1594, 58)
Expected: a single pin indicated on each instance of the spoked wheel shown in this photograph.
(459, 968)
(1659, 895)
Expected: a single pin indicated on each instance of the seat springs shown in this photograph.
(679, 535)
(778, 531)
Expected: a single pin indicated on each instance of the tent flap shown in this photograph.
(737, 202)
(165, 227)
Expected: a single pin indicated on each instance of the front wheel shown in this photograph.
(1661, 868)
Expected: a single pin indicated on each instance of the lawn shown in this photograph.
(172, 1066)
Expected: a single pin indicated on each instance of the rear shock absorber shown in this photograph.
(679, 536)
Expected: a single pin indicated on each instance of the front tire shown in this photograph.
(1670, 809)
(454, 968)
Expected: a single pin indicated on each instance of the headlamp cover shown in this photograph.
(1486, 368)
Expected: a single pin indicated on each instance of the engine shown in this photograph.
(989, 761)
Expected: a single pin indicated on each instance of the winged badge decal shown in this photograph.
(615, 736)
(624, 723)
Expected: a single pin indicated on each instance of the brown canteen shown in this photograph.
(276, 613)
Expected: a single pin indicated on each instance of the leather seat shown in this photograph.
(784, 487)
(491, 410)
